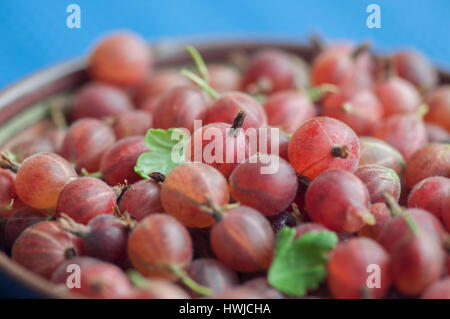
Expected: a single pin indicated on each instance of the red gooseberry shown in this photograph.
(97, 279)
(349, 270)
(85, 198)
(160, 246)
(99, 101)
(42, 247)
(141, 199)
(339, 200)
(431, 160)
(85, 142)
(117, 164)
(190, 185)
(323, 143)
(379, 180)
(121, 59)
(265, 182)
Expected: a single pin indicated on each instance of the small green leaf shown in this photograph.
(166, 151)
(300, 265)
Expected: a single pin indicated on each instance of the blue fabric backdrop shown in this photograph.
(34, 32)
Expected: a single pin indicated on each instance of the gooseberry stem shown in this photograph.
(296, 214)
(199, 62)
(137, 279)
(340, 151)
(368, 218)
(68, 224)
(85, 173)
(212, 209)
(9, 206)
(157, 177)
(422, 110)
(303, 180)
(396, 210)
(316, 93)
(392, 205)
(200, 82)
(7, 163)
(202, 290)
(238, 122)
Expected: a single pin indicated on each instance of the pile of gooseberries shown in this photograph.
(360, 151)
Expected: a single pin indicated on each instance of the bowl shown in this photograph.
(23, 112)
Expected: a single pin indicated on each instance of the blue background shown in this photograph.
(34, 34)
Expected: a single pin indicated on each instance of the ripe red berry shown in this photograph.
(40, 179)
(339, 200)
(405, 222)
(375, 151)
(141, 199)
(382, 216)
(323, 143)
(265, 182)
(308, 227)
(270, 71)
(120, 59)
(99, 101)
(98, 280)
(439, 290)
(30, 146)
(221, 145)
(345, 66)
(433, 195)
(157, 85)
(117, 164)
(288, 110)
(105, 236)
(397, 96)
(85, 198)
(223, 78)
(213, 274)
(415, 68)
(229, 104)
(437, 133)
(414, 238)
(349, 270)
(20, 220)
(41, 248)
(405, 132)
(132, 123)
(9, 200)
(159, 246)
(379, 180)
(431, 160)
(416, 264)
(439, 103)
(361, 111)
(190, 185)
(85, 142)
(243, 240)
(180, 107)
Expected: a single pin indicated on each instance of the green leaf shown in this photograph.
(299, 265)
(166, 151)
